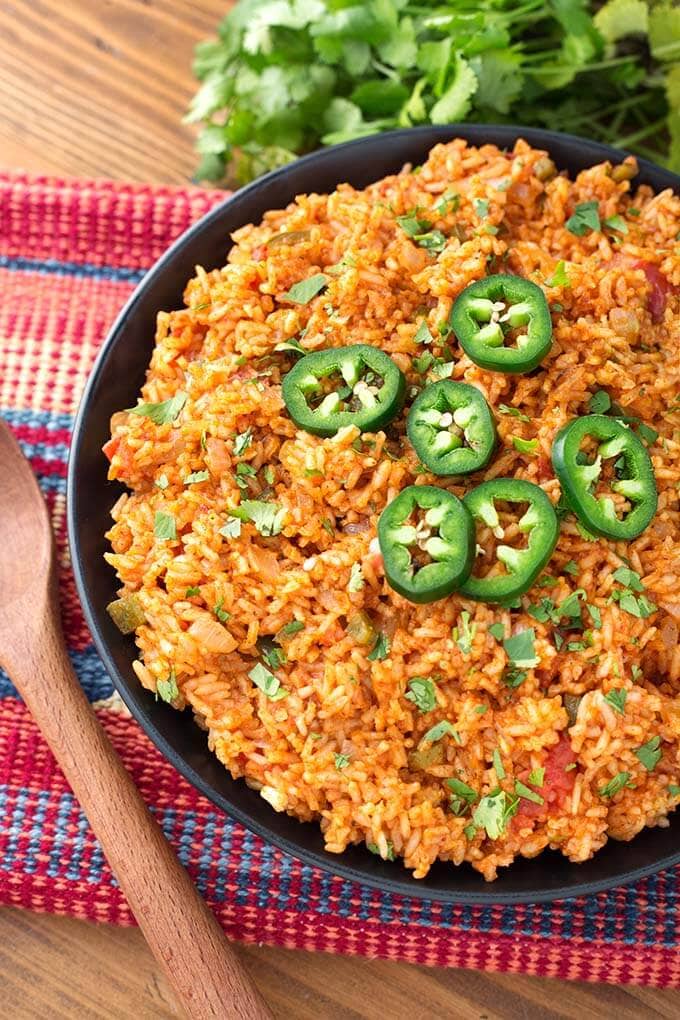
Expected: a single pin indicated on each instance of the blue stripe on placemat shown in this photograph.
(51, 420)
(90, 671)
(54, 267)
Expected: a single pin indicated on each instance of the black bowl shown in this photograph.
(115, 382)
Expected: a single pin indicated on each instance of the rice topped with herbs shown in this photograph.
(444, 723)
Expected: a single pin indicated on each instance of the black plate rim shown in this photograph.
(374, 873)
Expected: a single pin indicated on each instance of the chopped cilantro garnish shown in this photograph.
(674, 790)
(164, 526)
(519, 648)
(356, 578)
(267, 682)
(493, 813)
(381, 647)
(268, 518)
(449, 202)
(617, 700)
(421, 692)
(242, 441)
(167, 690)
(481, 709)
(524, 791)
(497, 630)
(560, 277)
(585, 218)
(513, 412)
(423, 335)
(165, 412)
(162, 482)
(439, 730)
(536, 777)
(649, 754)
(595, 615)
(288, 629)
(600, 402)
(232, 529)
(616, 223)
(305, 290)
(498, 764)
(481, 207)
(463, 796)
(571, 567)
(423, 362)
(375, 849)
(192, 592)
(514, 677)
(464, 633)
(614, 785)
(197, 476)
(341, 761)
(274, 656)
(221, 614)
(629, 578)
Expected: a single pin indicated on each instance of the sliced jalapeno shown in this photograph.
(522, 566)
(493, 313)
(358, 385)
(451, 428)
(426, 539)
(632, 476)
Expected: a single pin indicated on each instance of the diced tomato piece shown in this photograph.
(543, 468)
(111, 447)
(659, 288)
(260, 252)
(558, 783)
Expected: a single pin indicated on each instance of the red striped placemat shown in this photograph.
(70, 253)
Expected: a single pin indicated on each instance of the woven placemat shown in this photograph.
(70, 253)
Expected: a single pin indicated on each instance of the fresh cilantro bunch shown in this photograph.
(284, 76)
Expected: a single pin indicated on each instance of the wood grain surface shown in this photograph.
(98, 87)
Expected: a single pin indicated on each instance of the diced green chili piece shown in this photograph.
(126, 613)
(635, 476)
(488, 309)
(370, 392)
(523, 566)
(451, 428)
(426, 539)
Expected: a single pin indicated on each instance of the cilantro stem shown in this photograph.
(649, 129)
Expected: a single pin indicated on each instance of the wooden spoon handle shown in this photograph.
(184, 935)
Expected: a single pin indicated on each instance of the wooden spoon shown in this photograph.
(198, 961)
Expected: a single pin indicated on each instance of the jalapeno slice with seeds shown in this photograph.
(522, 566)
(426, 538)
(632, 476)
(495, 313)
(451, 428)
(358, 385)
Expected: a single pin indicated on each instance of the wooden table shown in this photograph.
(98, 87)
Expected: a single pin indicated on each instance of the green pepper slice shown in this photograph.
(451, 428)
(426, 538)
(496, 311)
(632, 477)
(522, 566)
(358, 385)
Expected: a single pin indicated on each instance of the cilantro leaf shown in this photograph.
(527, 794)
(614, 785)
(242, 441)
(600, 402)
(493, 813)
(649, 754)
(381, 647)
(303, 292)
(519, 648)
(560, 277)
(197, 476)
(268, 518)
(617, 700)
(497, 630)
(167, 690)
(164, 526)
(341, 761)
(584, 219)
(439, 730)
(164, 413)
(616, 223)
(232, 529)
(288, 629)
(421, 693)
(464, 633)
(513, 412)
(423, 335)
(267, 682)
